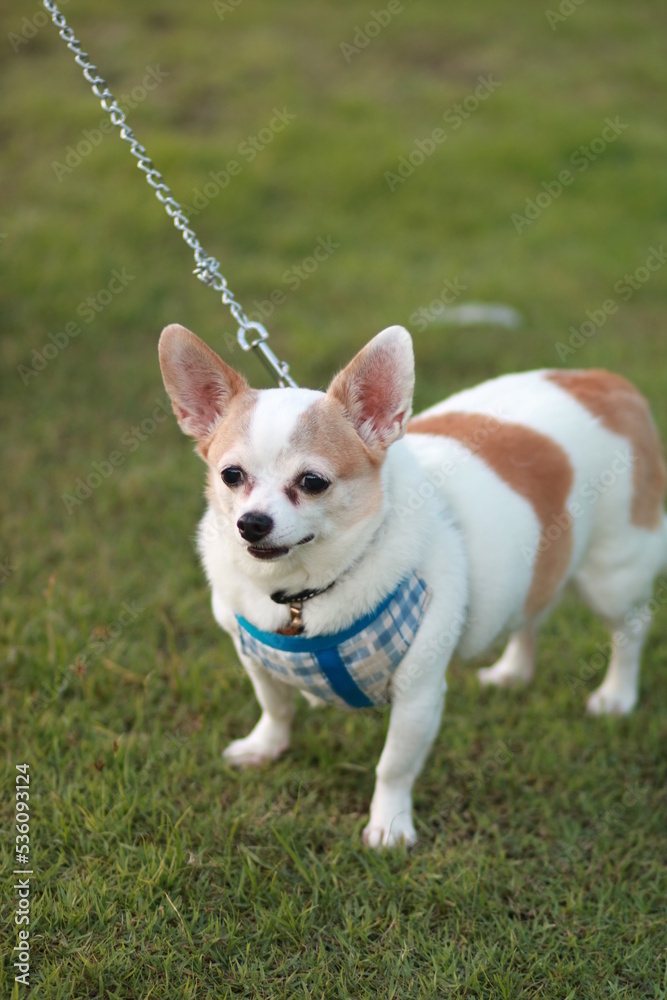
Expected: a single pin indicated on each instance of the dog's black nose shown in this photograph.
(254, 526)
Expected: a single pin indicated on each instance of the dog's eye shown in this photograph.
(232, 476)
(312, 483)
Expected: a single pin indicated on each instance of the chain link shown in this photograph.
(207, 268)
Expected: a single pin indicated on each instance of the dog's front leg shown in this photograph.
(272, 733)
(415, 716)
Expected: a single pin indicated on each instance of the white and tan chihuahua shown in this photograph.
(351, 551)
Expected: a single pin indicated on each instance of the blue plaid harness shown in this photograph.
(352, 668)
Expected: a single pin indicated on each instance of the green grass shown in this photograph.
(159, 872)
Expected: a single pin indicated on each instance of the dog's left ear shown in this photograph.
(199, 383)
(376, 387)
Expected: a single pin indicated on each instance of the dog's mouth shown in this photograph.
(267, 552)
(275, 551)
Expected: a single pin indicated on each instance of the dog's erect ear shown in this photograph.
(199, 383)
(376, 387)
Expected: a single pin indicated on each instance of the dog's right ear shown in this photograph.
(199, 383)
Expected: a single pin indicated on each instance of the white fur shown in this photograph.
(266, 454)
(443, 512)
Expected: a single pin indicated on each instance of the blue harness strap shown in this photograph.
(341, 681)
(351, 668)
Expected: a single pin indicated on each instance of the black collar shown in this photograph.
(295, 602)
(280, 597)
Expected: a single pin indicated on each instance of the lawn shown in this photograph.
(496, 153)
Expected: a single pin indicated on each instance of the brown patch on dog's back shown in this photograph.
(536, 468)
(622, 409)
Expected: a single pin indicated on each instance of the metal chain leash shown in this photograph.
(207, 268)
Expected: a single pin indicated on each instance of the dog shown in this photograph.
(351, 550)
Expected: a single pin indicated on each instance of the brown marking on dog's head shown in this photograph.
(533, 465)
(622, 409)
(233, 426)
(325, 429)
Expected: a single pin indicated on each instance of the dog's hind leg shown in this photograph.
(617, 695)
(616, 582)
(517, 663)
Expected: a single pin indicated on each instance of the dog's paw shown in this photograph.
(608, 701)
(252, 752)
(399, 830)
(503, 674)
